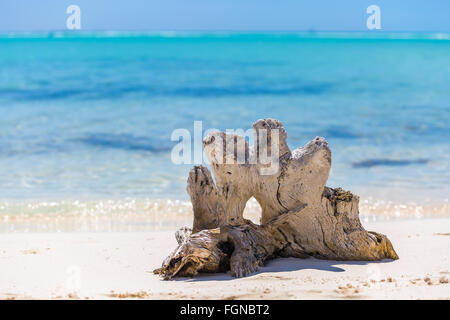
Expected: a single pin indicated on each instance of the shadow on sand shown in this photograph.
(285, 265)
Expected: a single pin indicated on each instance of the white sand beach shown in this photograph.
(119, 265)
(116, 128)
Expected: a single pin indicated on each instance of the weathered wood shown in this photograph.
(301, 217)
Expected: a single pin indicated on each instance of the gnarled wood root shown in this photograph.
(301, 217)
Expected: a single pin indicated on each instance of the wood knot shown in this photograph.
(337, 194)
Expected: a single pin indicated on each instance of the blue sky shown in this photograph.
(214, 15)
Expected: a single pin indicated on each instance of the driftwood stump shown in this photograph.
(301, 217)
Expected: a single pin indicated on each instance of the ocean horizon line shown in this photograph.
(378, 35)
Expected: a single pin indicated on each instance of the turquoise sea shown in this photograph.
(88, 116)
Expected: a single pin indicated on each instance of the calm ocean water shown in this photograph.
(90, 116)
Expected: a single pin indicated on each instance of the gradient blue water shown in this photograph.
(91, 116)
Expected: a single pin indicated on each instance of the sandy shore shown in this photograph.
(119, 265)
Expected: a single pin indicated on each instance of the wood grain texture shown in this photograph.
(301, 217)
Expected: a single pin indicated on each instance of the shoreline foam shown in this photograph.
(163, 214)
